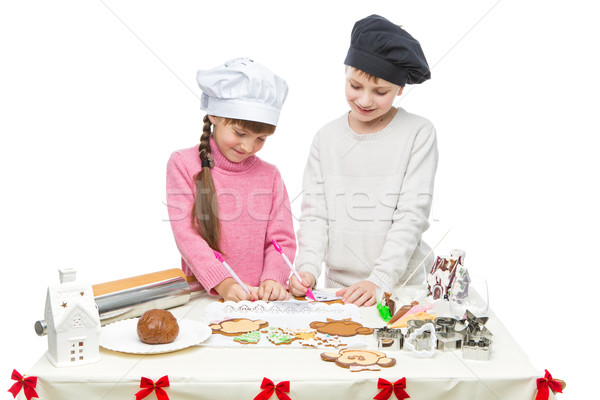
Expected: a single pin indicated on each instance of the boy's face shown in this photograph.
(369, 100)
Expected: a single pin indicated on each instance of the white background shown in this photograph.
(94, 96)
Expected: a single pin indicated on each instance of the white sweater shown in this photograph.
(366, 202)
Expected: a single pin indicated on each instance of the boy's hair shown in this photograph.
(205, 216)
(371, 78)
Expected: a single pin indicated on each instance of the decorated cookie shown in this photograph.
(344, 327)
(238, 326)
(310, 342)
(359, 359)
(330, 340)
(278, 337)
(304, 334)
(248, 338)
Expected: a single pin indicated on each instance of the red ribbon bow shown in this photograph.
(388, 387)
(148, 386)
(268, 387)
(545, 383)
(27, 384)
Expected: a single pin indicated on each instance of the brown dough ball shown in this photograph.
(157, 327)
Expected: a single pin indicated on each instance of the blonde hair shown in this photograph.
(205, 215)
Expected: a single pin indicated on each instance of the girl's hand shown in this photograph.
(362, 293)
(272, 290)
(230, 290)
(300, 288)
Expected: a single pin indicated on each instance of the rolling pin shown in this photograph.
(131, 297)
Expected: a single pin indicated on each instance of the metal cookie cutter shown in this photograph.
(422, 341)
(476, 349)
(389, 339)
(414, 324)
(478, 339)
(448, 337)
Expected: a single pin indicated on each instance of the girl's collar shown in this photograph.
(222, 163)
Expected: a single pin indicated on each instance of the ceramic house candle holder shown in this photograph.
(73, 322)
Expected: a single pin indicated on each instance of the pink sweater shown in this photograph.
(254, 209)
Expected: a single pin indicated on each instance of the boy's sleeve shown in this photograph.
(281, 228)
(312, 235)
(410, 218)
(194, 250)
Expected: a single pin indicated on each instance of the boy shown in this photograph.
(368, 182)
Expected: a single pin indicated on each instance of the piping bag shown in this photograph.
(384, 310)
(309, 292)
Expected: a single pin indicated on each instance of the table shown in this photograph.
(211, 373)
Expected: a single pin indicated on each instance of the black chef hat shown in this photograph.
(380, 48)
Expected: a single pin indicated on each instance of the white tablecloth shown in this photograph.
(203, 372)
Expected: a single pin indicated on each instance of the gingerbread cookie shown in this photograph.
(237, 326)
(248, 338)
(304, 334)
(279, 337)
(310, 342)
(359, 359)
(343, 327)
(330, 340)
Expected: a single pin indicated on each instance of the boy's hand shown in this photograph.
(362, 293)
(300, 288)
(272, 290)
(230, 290)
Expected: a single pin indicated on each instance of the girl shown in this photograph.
(223, 198)
(368, 182)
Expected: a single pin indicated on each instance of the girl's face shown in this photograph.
(369, 100)
(234, 142)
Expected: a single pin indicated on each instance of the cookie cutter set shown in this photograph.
(444, 334)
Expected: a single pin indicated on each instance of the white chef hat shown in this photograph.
(242, 89)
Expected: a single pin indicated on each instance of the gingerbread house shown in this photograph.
(443, 273)
(73, 322)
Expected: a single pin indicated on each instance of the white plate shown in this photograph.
(122, 336)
